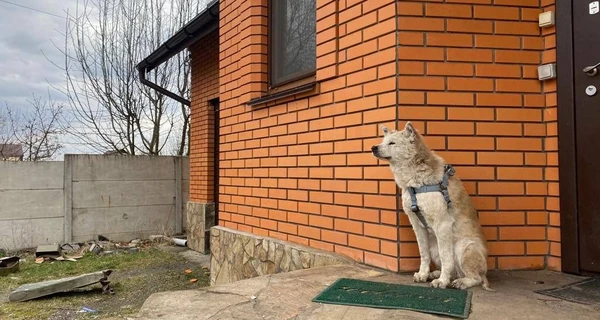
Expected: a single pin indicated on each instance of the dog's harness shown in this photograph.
(441, 187)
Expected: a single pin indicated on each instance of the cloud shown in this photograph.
(26, 44)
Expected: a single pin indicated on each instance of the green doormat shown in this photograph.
(354, 292)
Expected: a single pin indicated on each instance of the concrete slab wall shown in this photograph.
(31, 203)
(120, 197)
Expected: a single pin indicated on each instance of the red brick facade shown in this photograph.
(300, 169)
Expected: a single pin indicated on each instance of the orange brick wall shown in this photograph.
(469, 74)
(205, 86)
(300, 169)
(551, 146)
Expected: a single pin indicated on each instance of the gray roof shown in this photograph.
(11, 150)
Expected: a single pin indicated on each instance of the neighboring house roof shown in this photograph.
(11, 150)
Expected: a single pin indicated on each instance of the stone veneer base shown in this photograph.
(200, 218)
(238, 255)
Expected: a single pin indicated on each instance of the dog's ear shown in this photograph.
(385, 130)
(409, 128)
(411, 132)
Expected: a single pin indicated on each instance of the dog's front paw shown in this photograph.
(420, 277)
(434, 274)
(439, 283)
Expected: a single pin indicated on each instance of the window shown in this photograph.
(293, 29)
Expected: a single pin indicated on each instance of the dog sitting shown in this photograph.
(443, 217)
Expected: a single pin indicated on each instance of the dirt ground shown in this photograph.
(135, 277)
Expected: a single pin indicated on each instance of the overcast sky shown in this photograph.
(27, 41)
(26, 36)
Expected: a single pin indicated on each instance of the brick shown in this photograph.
(361, 214)
(499, 129)
(447, 10)
(449, 40)
(518, 144)
(508, 173)
(421, 24)
(389, 248)
(522, 233)
(451, 128)
(321, 222)
(449, 69)
(407, 67)
(518, 28)
(502, 218)
(470, 143)
(538, 248)
(381, 261)
(417, 53)
(348, 199)
(506, 248)
(469, 55)
(537, 218)
(521, 263)
(496, 13)
(334, 237)
(501, 188)
(423, 113)
(456, 113)
(350, 252)
(457, 157)
(472, 173)
(504, 42)
(409, 38)
(364, 243)
(309, 232)
(410, 8)
(499, 99)
(379, 231)
(468, 26)
(521, 203)
(517, 56)
(498, 70)
(421, 83)
(470, 84)
(382, 202)
(506, 85)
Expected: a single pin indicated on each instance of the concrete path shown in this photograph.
(289, 295)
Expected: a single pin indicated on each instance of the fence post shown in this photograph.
(68, 196)
(178, 197)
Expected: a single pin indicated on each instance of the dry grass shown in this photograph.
(135, 277)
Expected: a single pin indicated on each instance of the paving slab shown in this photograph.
(289, 295)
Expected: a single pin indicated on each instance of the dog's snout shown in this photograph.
(374, 148)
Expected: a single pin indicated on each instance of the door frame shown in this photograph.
(567, 151)
(214, 103)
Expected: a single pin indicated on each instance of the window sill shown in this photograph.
(273, 95)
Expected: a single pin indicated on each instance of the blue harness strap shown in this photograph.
(441, 187)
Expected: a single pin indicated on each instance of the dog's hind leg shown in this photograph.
(474, 267)
(423, 242)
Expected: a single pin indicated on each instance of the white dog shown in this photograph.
(439, 209)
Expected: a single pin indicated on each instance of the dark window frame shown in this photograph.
(273, 67)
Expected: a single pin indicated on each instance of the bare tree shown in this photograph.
(36, 129)
(104, 41)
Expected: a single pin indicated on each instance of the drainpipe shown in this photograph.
(160, 89)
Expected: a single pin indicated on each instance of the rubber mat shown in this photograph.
(586, 291)
(354, 292)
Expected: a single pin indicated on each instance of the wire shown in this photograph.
(30, 8)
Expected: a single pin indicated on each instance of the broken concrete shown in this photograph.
(289, 295)
(41, 289)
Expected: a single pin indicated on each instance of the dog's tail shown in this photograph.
(485, 284)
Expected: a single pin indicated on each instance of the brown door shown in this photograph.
(586, 45)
